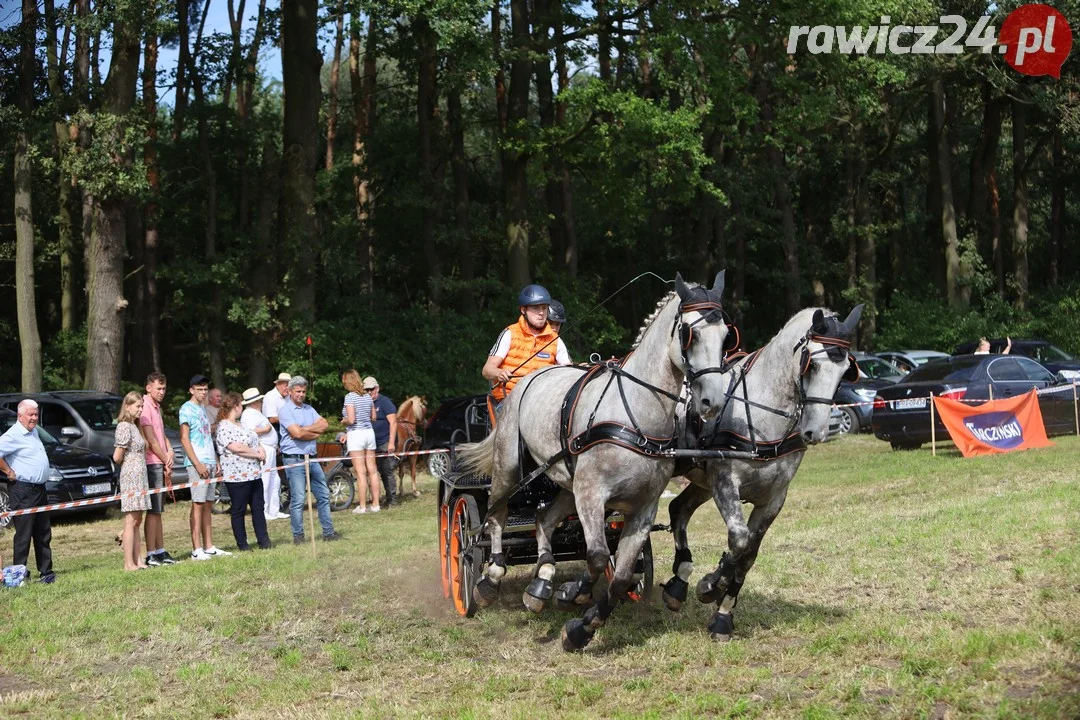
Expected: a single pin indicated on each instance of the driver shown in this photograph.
(525, 346)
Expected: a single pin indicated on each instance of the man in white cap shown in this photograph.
(275, 398)
(253, 419)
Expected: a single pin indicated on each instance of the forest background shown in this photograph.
(382, 177)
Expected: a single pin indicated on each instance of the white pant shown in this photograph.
(271, 482)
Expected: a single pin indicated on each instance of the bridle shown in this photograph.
(710, 311)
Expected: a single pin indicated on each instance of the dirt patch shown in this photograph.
(940, 711)
(10, 684)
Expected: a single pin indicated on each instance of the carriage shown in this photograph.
(463, 501)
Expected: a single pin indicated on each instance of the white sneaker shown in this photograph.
(214, 552)
(283, 516)
(359, 510)
(200, 554)
(375, 508)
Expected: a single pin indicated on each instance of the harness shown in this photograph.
(833, 343)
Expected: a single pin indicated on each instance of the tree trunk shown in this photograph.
(105, 253)
(1057, 207)
(466, 303)
(300, 60)
(1020, 203)
(245, 89)
(502, 111)
(147, 310)
(232, 70)
(427, 113)
(983, 164)
(545, 96)
(26, 305)
(956, 292)
(180, 104)
(515, 161)
(996, 249)
(603, 40)
(867, 254)
(569, 259)
(65, 223)
(264, 277)
(362, 84)
(782, 197)
(335, 69)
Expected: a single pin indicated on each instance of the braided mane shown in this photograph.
(652, 316)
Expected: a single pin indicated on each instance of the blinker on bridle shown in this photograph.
(708, 310)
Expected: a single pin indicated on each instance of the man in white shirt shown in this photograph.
(275, 398)
(253, 419)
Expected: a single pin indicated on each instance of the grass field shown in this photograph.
(893, 584)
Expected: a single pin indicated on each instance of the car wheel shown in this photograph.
(906, 445)
(342, 490)
(850, 422)
(5, 505)
(438, 464)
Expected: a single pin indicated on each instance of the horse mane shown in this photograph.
(652, 316)
(409, 406)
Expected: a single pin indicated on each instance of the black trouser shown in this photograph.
(242, 494)
(36, 526)
(386, 466)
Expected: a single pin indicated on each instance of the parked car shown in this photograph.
(858, 397)
(872, 367)
(908, 360)
(458, 420)
(87, 419)
(74, 473)
(902, 416)
(1049, 356)
(836, 422)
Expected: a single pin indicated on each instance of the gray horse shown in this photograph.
(778, 399)
(622, 418)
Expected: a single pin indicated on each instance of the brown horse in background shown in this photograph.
(410, 416)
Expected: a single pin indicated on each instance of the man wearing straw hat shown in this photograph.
(300, 426)
(253, 419)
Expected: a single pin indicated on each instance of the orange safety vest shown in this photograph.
(523, 345)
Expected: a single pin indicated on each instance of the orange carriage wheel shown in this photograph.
(465, 564)
(444, 547)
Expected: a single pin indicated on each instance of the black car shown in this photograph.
(458, 420)
(902, 412)
(1049, 356)
(87, 419)
(74, 473)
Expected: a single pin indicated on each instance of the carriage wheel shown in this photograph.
(444, 547)
(465, 565)
(643, 573)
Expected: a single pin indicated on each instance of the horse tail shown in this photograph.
(478, 458)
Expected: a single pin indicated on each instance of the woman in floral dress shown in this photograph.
(130, 455)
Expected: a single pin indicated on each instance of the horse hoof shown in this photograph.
(722, 627)
(675, 593)
(707, 591)
(537, 594)
(569, 597)
(575, 636)
(485, 592)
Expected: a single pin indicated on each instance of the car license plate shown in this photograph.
(910, 403)
(97, 488)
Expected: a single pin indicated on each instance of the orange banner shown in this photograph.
(997, 426)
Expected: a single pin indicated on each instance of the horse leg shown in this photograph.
(412, 469)
(487, 587)
(681, 510)
(732, 570)
(726, 494)
(540, 590)
(577, 633)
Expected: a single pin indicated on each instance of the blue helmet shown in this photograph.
(534, 295)
(556, 312)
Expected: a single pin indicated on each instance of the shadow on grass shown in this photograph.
(633, 624)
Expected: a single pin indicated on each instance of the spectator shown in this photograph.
(300, 427)
(385, 426)
(358, 411)
(24, 462)
(159, 465)
(242, 457)
(253, 419)
(275, 398)
(199, 447)
(213, 406)
(130, 455)
(983, 347)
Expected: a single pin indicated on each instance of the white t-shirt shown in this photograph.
(502, 349)
(251, 419)
(272, 403)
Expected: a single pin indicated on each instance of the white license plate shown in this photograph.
(96, 488)
(910, 403)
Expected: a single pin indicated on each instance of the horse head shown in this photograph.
(698, 342)
(824, 361)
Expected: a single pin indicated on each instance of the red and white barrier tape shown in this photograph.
(973, 401)
(183, 486)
